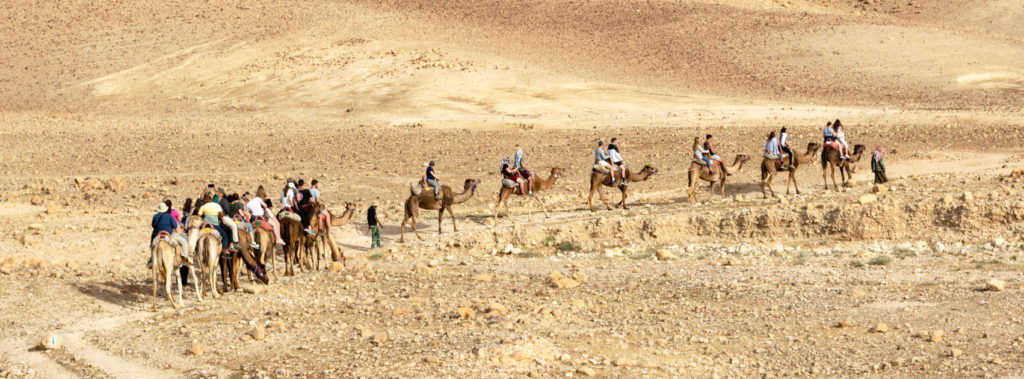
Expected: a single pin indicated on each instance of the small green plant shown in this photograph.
(902, 252)
(856, 264)
(647, 253)
(377, 256)
(880, 260)
(800, 258)
(528, 253)
(568, 246)
(550, 240)
(1013, 257)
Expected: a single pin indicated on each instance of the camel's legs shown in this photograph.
(153, 256)
(590, 200)
(455, 228)
(401, 238)
(177, 278)
(623, 203)
(711, 189)
(542, 206)
(192, 276)
(722, 185)
(414, 231)
(440, 217)
(167, 283)
(600, 194)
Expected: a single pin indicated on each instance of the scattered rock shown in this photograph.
(28, 240)
(858, 293)
(867, 199)
(52, 208)
(955, 353)
(466, 312)
(996, 285)
(483, 277)
(586, 371)
(996, 361)
(50, 341)
(880, 189)
(497, 309)
(422, 269)
(967, 196)
(566, 283)
(36, 200)
(337, 267)
(844, 323)
(664, 255)
(379, 338)
(622, 362)
(197, 349)
(258, 333)
(880, 328)
(936, 336)
(254, 290)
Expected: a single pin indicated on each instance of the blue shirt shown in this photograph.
(314, 193)
(164, 222)
(430, 174)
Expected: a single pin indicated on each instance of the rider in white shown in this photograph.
(601, 159)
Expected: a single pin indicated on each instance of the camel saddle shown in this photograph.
(289, 215)
(509, 183)
(208, 228)
(261, 222)
(417, 188)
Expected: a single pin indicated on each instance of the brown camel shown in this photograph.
(336, 254)
(597, 179)
(830, 159)
(231, 264)
(711, 175)
(770, 167)
(207, 252)
(425, 200)
(265, 238)
(293, 236)
(505, 193)
(166, 263)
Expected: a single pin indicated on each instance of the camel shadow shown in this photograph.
(134, 293)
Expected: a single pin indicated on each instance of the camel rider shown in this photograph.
(431, 178)
(258, 208)
(212, 213)
(701, 154)
(844, 148)
(710, 149)
(237, 212)
(784, 146)
(616, 158)
(304, 203)
(288, 196)
(828, 133)
(228, 224)
(509, 173)
(771, 148)
(163, 221)
(522, 171)
(601, 159)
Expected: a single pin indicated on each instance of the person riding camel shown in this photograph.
(784, 146)
(259, 209)
(237, 212)
(217, 196)
(213, 214)
(771, 148)
(828, 133)
(164, 222)
(288, 196)
(601, 159)
(840, 135)
(710, 149)
(616, 158)
(700, 154)
(522, 171)
(509, 173)
(304, 203)
(430, 178)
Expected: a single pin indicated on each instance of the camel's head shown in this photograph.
(351, 206)
(471, 184)
(649, 170)
(742, 158)
(556, 172)
(813, 146)
(858, 149)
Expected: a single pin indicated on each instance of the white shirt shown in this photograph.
(286, 200)
(614, 154)
(783, 138)
(255, 207)
(772, 146)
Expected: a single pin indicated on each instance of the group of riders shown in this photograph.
(224, 213)
(777, 147)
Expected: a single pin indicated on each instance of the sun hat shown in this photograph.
(161, 208)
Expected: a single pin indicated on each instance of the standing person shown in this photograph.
(771, 147)
(878, 166)
(432, 180)
(601, 159)
(373, 222)
(521, 170)
(616, 158)
(784, 146)
(700, 154)
(709, 149)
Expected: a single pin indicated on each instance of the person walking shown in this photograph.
(878, 166)
(373, 222)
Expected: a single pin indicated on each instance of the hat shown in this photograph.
(161, 208)
(431, 163)
(291, 185)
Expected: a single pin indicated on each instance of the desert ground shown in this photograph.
(106, 108)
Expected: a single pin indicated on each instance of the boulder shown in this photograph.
(50, 341)
(337, 267)
(880, 189)
(664, 255)
(867, 199)
(196, 349)
(996, 285)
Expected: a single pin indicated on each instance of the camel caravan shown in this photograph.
(229, 232)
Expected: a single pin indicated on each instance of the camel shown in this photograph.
(166, 263)
(425, 200)
(711, 175)
(336, 254)
(229, 265)
(207, 248)
(540, 184)
(292, 234)
(770, 167)
(265, 238)
(830, 159)
(597, 179)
